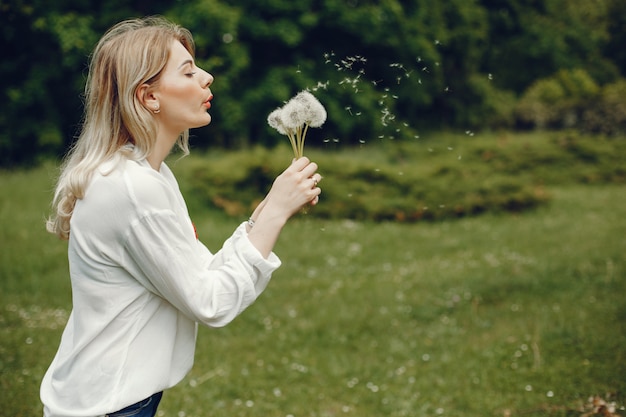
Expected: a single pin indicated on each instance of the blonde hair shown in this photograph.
(116, 126)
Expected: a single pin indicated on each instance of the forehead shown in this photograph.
(179, 55)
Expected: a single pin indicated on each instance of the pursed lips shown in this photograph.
(207, 102)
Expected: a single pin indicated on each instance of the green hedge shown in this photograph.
(440, 178)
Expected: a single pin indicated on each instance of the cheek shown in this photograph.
(177, 91)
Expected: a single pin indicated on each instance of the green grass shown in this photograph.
(501, 314)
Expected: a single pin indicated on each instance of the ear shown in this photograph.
(147, 98)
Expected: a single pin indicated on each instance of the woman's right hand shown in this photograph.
(292, 189)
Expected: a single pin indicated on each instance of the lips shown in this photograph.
(207, 103)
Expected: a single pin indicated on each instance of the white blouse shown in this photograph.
(141, 281)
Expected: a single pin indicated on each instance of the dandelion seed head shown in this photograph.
(292, 115)
(313, 112)
(275, 121)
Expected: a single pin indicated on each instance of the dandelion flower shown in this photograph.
(295, 117)
(293, 114)
(275, 121)
(314, 113)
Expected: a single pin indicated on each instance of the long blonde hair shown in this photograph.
(130, 54)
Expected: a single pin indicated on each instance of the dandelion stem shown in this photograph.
(292, 140)
(306, 127)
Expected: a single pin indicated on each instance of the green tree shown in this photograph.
(533, 39)
(46, 46)
(383, 69)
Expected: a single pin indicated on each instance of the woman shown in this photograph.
(141, 280)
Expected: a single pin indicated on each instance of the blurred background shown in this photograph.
(383, 69)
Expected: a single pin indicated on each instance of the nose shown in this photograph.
(209, 80)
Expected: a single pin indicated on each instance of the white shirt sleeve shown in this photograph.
(210, 289)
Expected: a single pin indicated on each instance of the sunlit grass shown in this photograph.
(488, 316)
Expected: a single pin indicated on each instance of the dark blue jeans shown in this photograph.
(144, 408)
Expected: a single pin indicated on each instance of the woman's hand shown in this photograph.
(294, 188)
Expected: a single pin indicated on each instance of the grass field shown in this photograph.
(497, 315)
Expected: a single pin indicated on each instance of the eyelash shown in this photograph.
(191, 74)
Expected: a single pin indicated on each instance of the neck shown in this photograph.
(162, 148)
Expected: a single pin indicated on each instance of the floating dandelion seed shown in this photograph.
(490, 76)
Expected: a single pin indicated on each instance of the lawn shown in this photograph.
(497, 315)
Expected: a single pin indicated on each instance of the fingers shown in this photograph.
(316, 178)
(300, 163)
(303, 176)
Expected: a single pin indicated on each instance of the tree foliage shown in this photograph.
(382, 68)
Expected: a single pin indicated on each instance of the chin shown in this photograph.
(205, 122)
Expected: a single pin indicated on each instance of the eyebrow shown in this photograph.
(189, 61)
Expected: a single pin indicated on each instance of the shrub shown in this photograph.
(607, 113)
(557, 101)
(439, 178)
(406, 182)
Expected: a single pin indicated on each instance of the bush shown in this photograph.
(607, 113)
(446, 177)
(558, 101)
